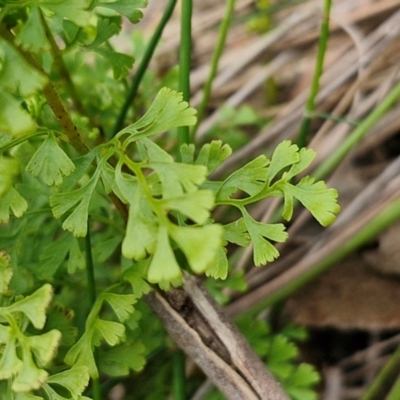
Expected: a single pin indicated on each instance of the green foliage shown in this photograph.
(149, 215)
(280, 353)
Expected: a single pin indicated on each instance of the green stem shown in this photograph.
(143, 67)
(385, 376)
(357, 134)
(384, 219)
(53, 98)
(214, 62)
(184, 63)
(22, 139)
(310, 105)
(63, 70)
(179, 375)
(96, 388)
(394, 393)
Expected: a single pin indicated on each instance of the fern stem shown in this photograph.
(310, 105)
(53, 98)
(394, 393)
(184, 63)
(357, 134)
(223, 32)
(179, 375)
(96, 388)
(387, 373)
(63, 70)
(144, 63)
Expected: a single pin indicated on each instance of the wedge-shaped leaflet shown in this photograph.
(120, 63)
(163, 268)
(14, 120)
(306, 156)
(195, 205)
(141, 229)
(50, 161)
(74, 10)
(280, 353)
(9, 168)
(166, 112)
(151, 152)
(129, 8)
(213, 154)
(315, 196)
(26, 396)
(126, 185)
(136, 276)
(236, 232)
(65, 247)
(44, 346)
(177, 179)
(261, 234)
(119, 361)
(110, 331)
(284, 155)
(6, 273)
(16, 75)
(219, 268)
(81, 354)
(300, 382)
(10, 364)
(63, 201)
(74, 380)
(250, 178)
(33, 306)
(199, 244)
(12, 201)
(30, 377)
(122, 304)
(32, 36)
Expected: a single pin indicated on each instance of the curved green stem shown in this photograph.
(394, 393)
(179, 375)
(388, 372)
(226, 21)
(184, 63)
(310, 105)
(21, 139)
(63, 70)
(357, 134)
(143, 67)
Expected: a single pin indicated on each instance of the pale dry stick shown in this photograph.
(359, 373)
(193, 320)
(336, 74)
(367, 196)
(333, 383)
(355, 34)
(249, 54)
(201, 22)
(316, 254)
(241, 354)
(204, 390)
(230, 383)
(339, 133)
(359, 357)
(384, 129)
(367, 105)
(359, 15)
(245, 91)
